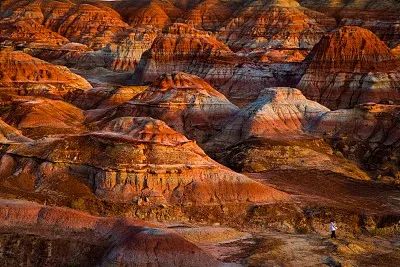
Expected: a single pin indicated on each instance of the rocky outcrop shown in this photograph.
(185, 102)
(275, 24)
(127, 52)
(146, 129)
(183, 48)
(351, 66)
(277, 112)
(368, 133)
(69, 54)
(272, 133)
(24, 74)
(210, 15)
(103, 98)
(59, 236)
(152, 14)
(381, 17)
(38, 117)
(117, 45)
(23, 22)
(92, 25)
(295, 153)
(28, 34)
(280, 56)
(9, 134)
(122, 55)
(132, 160)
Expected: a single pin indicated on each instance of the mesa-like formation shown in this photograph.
(184, 48)
(152, 14)
(133, 159)
(146, 129)
(185, 102)
(351, 66)
(276, 24)
(47, 27)
(23, 74)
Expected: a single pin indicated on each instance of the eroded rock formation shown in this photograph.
(185, 102)
(368, 133)
(68, 237)
(26, 75)
(351, 66)
(9, 134)
(183, 48)
(39, 117)
(275, 24)
(272, 133)
(132, 159)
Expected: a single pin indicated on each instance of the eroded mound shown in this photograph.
(185, 102)
(146, 129)
(350, 66)
(124, 166)
(68, 237)
(273, 133)
(275, 24)
(33, 76)
(182, 48)
(368, 133)
(278, 111)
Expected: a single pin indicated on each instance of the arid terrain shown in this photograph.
(199, 132)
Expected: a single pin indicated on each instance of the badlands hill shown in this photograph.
(238, 128)
(351, 66)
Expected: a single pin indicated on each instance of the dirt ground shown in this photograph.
(332, 189)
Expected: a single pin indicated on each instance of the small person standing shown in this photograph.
(333, 228)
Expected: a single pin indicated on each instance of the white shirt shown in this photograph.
(332, 226)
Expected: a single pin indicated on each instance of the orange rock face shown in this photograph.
(39, 117)
(100, 240)
(133, 159)
(273, 133)
(9, 134)
(210, 15)
(396, 51)
(275, 24)
(29, 33)
(183, 48)
(350, 66)
(277, 111)
(49, 25)
(24, 74)
(380, 17)
(185, 102)
(152, 14)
